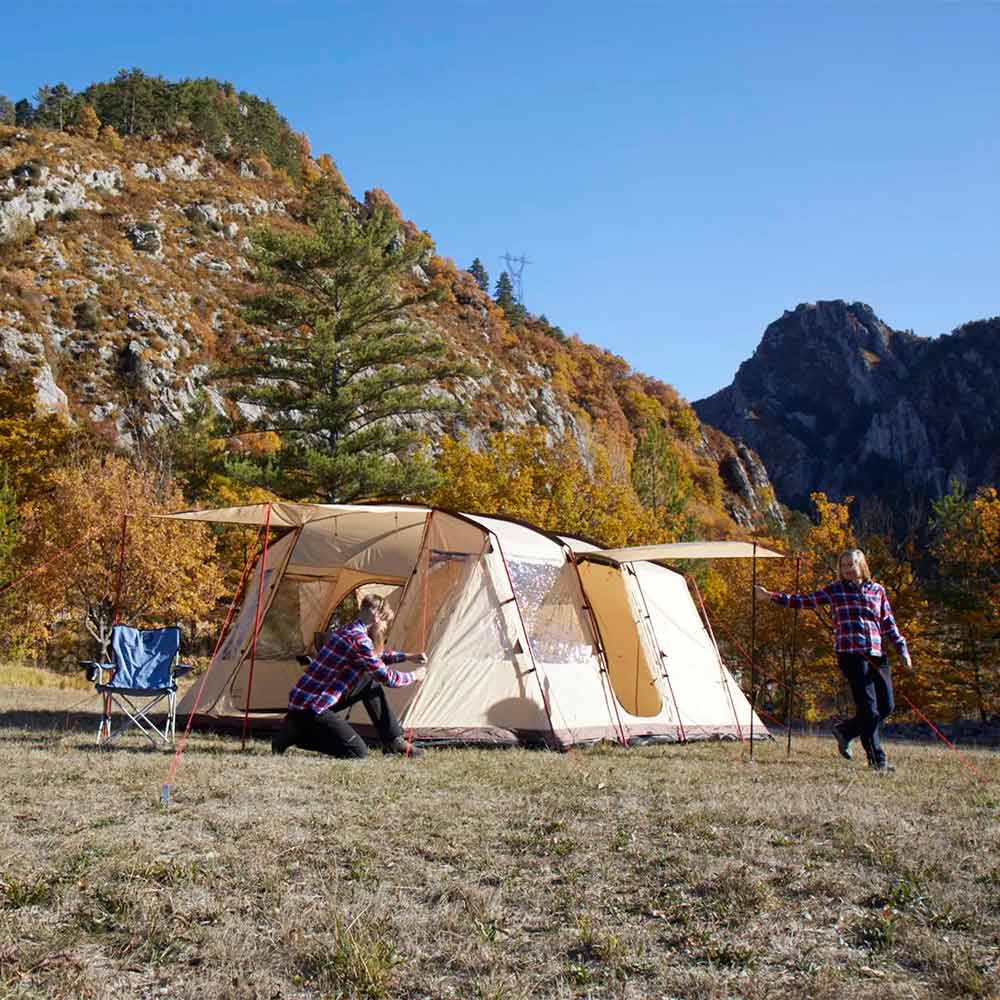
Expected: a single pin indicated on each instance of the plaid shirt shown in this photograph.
(336, 668)
(861, 615)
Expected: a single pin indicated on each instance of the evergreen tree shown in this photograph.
(55, 107)
(658, 476)
(479, 272)
(503, 294)
(7, 112)
(24, 113)
(344, 365)
(504, 298)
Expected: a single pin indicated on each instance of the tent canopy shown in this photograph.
(673, 551)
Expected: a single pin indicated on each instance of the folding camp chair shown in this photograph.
(144, 674)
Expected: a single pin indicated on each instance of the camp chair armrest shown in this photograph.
(183, 668)
(95, 670)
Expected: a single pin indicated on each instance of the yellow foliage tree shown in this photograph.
(522, 475)
(810, 677)
(87, 123)
(73, 538)
(31, 444)
(110, 137)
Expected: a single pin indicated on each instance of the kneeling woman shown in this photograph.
(862, 620)
(350, 667)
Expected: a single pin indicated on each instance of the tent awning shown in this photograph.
(289, 515)
(679, 550)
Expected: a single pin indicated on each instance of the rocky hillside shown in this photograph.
(833, 399)
(123, 264)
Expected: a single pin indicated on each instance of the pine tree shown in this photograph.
(503, 294)
(24, 113)
(658, 476)
(344, 365)
(479, 272)
(7, 113)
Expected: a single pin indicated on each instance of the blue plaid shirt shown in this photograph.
(345, 657)
(861, 615)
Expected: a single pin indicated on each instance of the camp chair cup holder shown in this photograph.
(141, 677)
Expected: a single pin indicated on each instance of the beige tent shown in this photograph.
(517, 653)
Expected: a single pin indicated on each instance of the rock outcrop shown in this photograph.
(833, 399)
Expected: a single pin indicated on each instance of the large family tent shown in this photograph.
(660, 654)
(515, 648)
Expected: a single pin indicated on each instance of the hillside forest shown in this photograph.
(325, 352)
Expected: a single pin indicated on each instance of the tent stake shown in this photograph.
(753, 646)
(256, 623)
(790, 684)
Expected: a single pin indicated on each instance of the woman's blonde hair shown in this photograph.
(858, 558)
(377, 634)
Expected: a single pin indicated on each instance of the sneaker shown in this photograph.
(402, 746)
(884, 768)
(843, 743)
(279, 741)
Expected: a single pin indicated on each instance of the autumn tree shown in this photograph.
(811, 677)
(87, 123)
(479, 272)
(523, 475)
(31, 444)
(343, 366)
(8, 116)
(168, 573)
(966, 549)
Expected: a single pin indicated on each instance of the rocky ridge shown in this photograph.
(123, 271)
(833, 399)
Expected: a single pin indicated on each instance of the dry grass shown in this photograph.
(656, 872)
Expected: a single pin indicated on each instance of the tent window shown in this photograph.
(550, 602)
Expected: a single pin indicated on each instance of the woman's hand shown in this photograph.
(417, 657)
(419, 674)
(763, 591)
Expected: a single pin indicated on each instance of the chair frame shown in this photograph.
(126, 699)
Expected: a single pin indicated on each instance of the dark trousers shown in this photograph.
(871, 687)
(331, 734)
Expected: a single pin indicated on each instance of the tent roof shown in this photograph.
(676, 550)
(292, 515)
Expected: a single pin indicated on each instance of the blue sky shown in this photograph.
(676, 174)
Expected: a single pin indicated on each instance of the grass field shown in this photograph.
(649, 873)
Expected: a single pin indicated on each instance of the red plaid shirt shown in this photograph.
(336, 668)
(861, 615)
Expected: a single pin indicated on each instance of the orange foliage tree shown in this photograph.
(523, 475)
(966, 548)
(72, 538)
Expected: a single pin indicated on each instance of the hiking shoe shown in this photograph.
(843, 743)
(884, 768)
(402, 746)
(279, 742)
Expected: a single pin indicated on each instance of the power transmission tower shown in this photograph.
(515, 268)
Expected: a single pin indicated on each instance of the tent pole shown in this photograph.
(425, 551)
(524, 629)
(660, 654)
(256, 624)
(718, 656)
(753, 645)
(790, 685)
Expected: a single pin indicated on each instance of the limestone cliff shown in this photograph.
(833, 399)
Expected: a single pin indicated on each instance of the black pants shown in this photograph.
(331, 734)
(871, 687)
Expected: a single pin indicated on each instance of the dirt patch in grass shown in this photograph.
(672, 871)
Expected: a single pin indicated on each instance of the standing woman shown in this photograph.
(862, 619)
